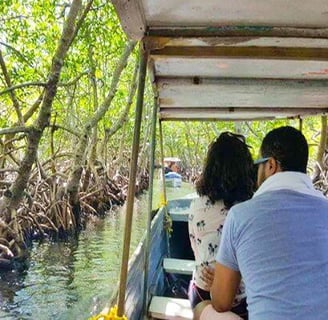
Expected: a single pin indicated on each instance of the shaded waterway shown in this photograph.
(67, 281)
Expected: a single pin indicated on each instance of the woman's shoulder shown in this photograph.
(204, 203)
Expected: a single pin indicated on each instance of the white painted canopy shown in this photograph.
(233, 60)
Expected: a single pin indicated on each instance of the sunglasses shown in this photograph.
(261, 160)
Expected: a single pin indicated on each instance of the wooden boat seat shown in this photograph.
(179, 266)
(170, 308)
(179, 215)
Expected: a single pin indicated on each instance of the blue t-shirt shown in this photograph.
(279, 242)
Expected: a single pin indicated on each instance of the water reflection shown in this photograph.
(68, 281)
(72, 280)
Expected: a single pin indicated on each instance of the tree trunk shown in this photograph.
(14, 196)
(121, 121)
(94, 136)
(79, 157)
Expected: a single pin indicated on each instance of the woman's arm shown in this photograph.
(207, 276)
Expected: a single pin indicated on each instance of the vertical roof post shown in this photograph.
(150, 201)
(132, 180)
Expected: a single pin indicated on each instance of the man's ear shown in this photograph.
(273, 166)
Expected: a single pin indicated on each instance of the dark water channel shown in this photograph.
(73, 281)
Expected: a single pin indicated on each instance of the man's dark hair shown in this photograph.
(288, 146)
(228, 172)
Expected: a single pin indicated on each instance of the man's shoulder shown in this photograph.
(245, 205)
(274, 199)
(257, 204)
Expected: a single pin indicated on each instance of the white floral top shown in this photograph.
(205, 228)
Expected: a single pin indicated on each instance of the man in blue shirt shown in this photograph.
(277, 241)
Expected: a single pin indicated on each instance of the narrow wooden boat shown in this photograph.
(220, 61)
(170, 267)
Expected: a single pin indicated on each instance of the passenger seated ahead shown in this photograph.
(277, 240)
(227, 178)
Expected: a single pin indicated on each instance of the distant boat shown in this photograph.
(173, 179)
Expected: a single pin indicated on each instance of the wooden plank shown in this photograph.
(166, 82)
(179, 208)
(161, 42)
(170, 308)
(242, 93)
(179, 215)
(282, 53)
(179, 266)
(181, 203)
(239, 31)
(239, 68)
(131, 15)
(219, 18)
(195, 13)
(241, 114)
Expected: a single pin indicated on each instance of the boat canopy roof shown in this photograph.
(233, 60)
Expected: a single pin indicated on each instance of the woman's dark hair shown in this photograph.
(287, 145)
(229, 172)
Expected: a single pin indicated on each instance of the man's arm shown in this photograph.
(225, 284)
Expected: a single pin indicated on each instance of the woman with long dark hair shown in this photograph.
(228, 177)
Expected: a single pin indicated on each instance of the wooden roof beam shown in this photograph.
(284, 53)
(246, 93)
(238, 31)
(235, 113)
(169, 81)
(131, 15)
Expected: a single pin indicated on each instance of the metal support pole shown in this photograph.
(163, 195)
(150, 202)
(132, 182)
(167, 221)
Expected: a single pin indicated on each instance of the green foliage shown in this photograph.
(29, 34)
(189, 141)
